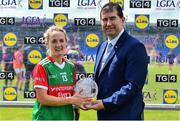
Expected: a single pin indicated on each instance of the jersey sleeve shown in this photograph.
(40, 77)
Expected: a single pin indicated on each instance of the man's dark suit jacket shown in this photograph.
(121, 80)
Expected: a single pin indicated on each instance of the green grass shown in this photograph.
(162, 115)
(155, 89)
(25, 114)
(15, 113)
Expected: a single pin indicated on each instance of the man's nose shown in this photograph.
(109, 22)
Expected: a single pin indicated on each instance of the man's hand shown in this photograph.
(97, 105)
(79, 100)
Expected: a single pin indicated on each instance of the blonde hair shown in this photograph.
(51, 29)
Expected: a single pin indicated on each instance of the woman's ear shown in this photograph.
(46, 44)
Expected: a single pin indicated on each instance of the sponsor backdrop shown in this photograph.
(154, 22)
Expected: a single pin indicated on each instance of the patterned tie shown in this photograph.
(109, 47)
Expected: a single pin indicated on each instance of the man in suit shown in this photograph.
(120, 71)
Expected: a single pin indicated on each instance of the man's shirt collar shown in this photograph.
(113, 41)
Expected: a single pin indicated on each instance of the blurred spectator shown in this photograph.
(75, 55)
(152, 56)
(177, 59)
(28, 65)
(159, 58)
(18, 66)
(1, 58)
(170, 57)
(8, 64)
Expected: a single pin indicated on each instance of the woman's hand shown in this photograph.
(80, 100)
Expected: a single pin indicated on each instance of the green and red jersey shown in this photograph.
(58, 80)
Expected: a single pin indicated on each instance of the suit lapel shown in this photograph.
(100, 55)
(108, 59)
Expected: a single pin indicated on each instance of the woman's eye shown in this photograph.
(54, 41)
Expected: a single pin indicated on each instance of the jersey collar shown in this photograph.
(52, 59)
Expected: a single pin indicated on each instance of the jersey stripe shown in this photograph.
(40, 86)
(44, 61)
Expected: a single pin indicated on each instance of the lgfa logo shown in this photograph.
(165, 4)
(9, 93)
(34, 56)
(171, 41)
(32, 21)
(120, 2)
(10, 3)
(141, 21)
(9, 39)
(92, 40)
(87, 4)
(170, 96)
(150, 95)
(35, 4)
(61, 19)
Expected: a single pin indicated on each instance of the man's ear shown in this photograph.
(123, 19)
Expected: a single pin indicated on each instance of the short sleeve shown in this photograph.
(40, 77)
